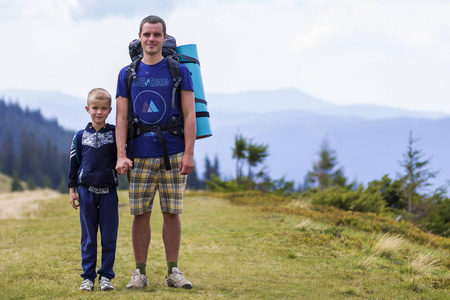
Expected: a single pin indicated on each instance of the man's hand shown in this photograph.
(187, 164)
(123, 165)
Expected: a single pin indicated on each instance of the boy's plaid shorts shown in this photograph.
(148, 176)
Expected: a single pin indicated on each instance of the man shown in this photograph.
(151, 95)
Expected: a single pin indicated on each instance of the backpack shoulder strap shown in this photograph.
(174, 69)
(79, 145)
(130, 76)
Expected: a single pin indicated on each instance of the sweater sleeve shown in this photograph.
(73, 164)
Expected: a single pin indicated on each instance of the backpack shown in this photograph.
(175, 125)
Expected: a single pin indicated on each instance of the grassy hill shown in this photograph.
(5, 183)
(244, 246)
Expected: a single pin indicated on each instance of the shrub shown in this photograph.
(342, 198)
(438, 220)
(218, 185)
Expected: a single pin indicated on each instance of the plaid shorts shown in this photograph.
(148, 176)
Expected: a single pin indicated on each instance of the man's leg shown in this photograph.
(141, 236)
(171, 236)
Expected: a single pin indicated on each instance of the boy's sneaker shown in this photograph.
(177, 280)
(105, 284)
(87, 285)
(138, 280)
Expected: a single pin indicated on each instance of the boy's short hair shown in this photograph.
(99, 94)
(153, 20)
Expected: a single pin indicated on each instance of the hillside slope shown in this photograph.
(241, 251)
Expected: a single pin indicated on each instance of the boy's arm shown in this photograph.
(188, 106)
(123, 162)
(73, 174)
(73, 165)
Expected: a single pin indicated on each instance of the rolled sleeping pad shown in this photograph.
(188, 55)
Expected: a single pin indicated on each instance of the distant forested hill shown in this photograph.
(33, 148)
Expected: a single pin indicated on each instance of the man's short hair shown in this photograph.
(153, 20)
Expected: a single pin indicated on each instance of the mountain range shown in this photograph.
(369, 140)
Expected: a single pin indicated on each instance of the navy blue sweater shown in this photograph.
(98, 158)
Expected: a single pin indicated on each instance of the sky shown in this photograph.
(391, 53)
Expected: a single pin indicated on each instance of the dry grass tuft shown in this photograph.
(368, 261)
(17, 205)
(388, 245)
(422, 264)
(303, 224)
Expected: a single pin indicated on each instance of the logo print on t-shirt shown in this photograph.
(149, 108)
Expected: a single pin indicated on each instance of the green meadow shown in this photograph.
(233, 246)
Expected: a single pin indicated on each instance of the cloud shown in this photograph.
(344, 51)
(408, 25)
(9, 10)
(99, 9)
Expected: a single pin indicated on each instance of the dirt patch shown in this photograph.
(18, 205)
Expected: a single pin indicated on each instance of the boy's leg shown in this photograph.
(89, 229)
(109, 224)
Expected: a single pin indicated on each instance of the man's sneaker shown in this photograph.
(177, 280)
(105, 284)
(87, 285)
(138, 280)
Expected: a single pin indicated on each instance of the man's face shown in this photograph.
(152, 38)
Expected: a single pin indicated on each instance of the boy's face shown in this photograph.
(99, 111)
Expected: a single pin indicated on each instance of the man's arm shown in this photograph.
(188, 106)
(123, 163)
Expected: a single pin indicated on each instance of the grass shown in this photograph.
(228, 251)
(5, 183)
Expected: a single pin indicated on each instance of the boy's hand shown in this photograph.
(123, 165)
(73, 198)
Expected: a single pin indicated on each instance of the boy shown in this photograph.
(92, 172)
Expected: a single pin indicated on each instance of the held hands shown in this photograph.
(123, 165)
(187, 164)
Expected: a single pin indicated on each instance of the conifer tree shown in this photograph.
(216, 166)
(256, 153)
(239, 153)
(16, 185)
(208, 169)
(8, 156)
(193, 182)
(324, 172)
(417, 175)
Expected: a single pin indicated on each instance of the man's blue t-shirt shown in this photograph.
(151, 94)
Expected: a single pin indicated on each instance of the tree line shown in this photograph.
(33, 151)
(36, 151)
(408, 196)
